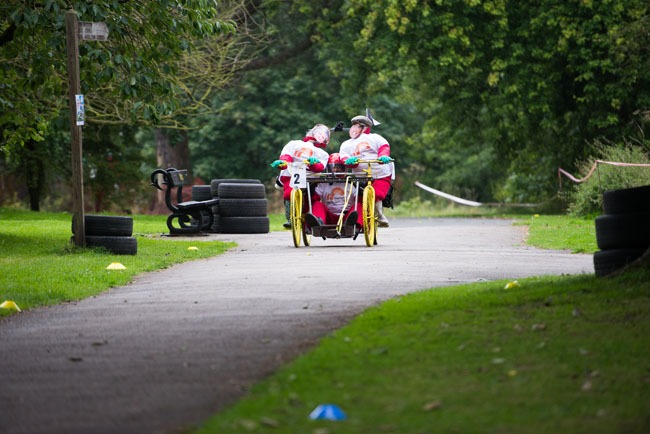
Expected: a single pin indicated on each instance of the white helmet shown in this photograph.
(321, 133)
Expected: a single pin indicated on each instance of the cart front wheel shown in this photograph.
(369, 223)
(296, 216)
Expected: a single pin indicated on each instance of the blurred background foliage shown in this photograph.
(481, 99)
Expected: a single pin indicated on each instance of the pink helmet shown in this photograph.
(335, 164)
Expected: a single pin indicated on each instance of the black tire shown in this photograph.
(627, 200)
(104, 225)
(216, 225)
(206, 222)
(214, 184)
(243, 207)
(201, 193)
(621, 231)
(116, 245)
(242, 191)
(608, 261)
(245, 225)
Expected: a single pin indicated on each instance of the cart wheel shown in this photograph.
(306, 235)
(296, 216)
(369, 224)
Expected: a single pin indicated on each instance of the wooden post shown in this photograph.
(74, 88)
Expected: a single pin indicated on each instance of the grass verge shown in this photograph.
(39, 265)
(554, 354)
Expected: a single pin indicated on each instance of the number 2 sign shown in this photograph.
(298, 175)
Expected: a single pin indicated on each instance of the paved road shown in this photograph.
(176, 346)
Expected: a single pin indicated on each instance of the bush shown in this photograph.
(586, 198)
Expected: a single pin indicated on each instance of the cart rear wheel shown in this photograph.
(369, 223)
(296, 216)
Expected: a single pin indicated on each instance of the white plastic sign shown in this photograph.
(298, 175)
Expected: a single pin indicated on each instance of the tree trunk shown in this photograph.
(34, 175)
(176, 155)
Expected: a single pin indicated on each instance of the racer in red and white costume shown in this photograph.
(364, 145)
(310, 148)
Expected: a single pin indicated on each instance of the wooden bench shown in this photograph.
(192, 216)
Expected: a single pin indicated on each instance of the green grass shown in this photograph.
(553, 355)
(39, 265)
(561, 232)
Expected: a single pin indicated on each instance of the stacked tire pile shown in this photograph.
(114, 233)
(623, 231)
(243, 207)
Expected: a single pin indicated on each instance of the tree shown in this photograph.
(139, 76)
(526, 86)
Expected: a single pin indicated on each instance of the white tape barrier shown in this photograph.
(447, 195)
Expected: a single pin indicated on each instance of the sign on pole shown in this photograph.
(89, 31)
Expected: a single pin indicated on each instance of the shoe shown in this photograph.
(352, 219)
(287, 225)
(312, 220)
(382, 221)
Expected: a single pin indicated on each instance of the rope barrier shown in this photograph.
(561, 171)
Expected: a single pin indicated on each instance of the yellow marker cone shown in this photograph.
(8, 304)
(512, 284)
(192, 248)
(116, 266)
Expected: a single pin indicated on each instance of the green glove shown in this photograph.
(279, 164)
(352, 161)
(312, 160)
(384, 160)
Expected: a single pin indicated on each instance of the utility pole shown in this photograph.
(74, 31)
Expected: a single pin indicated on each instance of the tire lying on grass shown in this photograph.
(201, 192)
(214, 184)
(116, 245)
(608, 261)
(243, 207)
(627, 200)
(104, 225)
(623, 231)
(242, 191)
(245, 225)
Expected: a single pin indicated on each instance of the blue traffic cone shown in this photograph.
(328, 412)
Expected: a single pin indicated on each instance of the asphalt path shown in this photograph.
(176, 346)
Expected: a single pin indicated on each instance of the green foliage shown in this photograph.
(122, 78)
(513, 82)
(586, 198)
(482, 99)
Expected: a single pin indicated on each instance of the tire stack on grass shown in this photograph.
(623, 231)
(114, 233)
(243, 207)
